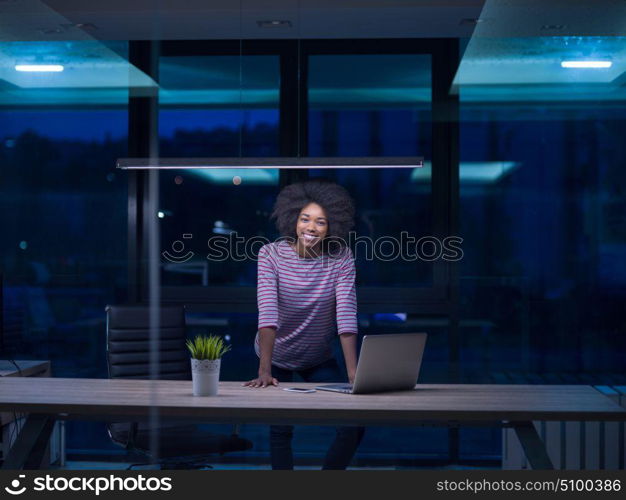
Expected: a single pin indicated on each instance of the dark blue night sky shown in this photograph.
(96, 125)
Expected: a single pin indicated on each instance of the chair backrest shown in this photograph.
(128, 342)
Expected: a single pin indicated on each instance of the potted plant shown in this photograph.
(206, 353)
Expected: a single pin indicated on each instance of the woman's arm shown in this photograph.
(267, 300)
(348, 345)
(266, 347)
(347, 326)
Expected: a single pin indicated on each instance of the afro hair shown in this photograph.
(333, 198)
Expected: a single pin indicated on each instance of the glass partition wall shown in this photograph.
(522, 167)
(63, 249)
(540, 190)
(218, 103)
(536, 211)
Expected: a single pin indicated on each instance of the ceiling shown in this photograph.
(512, 49)
(232, 19)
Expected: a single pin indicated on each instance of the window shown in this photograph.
(543, 238)
(63, 212)
(541, 211)
(216, 106)
(379, 105)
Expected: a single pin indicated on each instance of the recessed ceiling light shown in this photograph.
(82, 26)
(51, 31)
(471, 21)
(552, 27)
(39, 68)
(274, 24)
(586, 64)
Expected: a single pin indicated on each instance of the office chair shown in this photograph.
(181, 445)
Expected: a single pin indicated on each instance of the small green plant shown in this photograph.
(211, 347)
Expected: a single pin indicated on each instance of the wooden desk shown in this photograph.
(18, 368)
(26, 369)
(513, 406)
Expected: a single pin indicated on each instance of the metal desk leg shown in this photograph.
(62, 455)
(29, 448)
(534, 447)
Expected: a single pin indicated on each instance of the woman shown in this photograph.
(306, 297)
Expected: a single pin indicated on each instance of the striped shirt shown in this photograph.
(307, 301)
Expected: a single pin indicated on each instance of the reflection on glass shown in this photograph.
(63, 250)
(213, 106)
(216, 106)
(543, 271)
(378, 105)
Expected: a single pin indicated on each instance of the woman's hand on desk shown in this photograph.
(263, 380)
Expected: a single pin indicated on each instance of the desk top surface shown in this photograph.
(80, 398)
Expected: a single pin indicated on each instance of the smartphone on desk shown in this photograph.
(298, 389)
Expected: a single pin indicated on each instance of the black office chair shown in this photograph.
(181, 445)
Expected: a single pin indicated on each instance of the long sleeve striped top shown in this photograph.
(307, 300)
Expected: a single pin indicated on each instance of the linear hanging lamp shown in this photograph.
(278, 162)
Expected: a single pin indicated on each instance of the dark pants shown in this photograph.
(347, 439)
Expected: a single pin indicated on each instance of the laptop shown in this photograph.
(386, 363)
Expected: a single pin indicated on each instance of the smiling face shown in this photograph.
(311, 229)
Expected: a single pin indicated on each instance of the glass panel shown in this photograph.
(63, 215)
(541, 213)
(216, 106)
(379, 105)
(545, 238)
(83, 73)
(60, 268)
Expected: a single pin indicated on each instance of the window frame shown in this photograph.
(438, 299)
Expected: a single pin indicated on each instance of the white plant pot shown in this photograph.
(205, 376)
